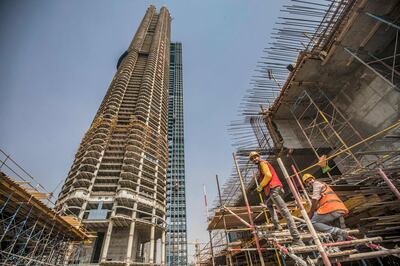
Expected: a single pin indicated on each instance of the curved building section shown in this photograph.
(117, 183)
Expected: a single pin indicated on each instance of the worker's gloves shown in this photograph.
(326, 169)
(259, 188)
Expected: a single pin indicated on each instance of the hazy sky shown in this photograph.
(58, 58)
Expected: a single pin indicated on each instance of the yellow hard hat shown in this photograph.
(307, 176)
(253, 154)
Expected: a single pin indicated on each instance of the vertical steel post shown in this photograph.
(394, 55)
(254, 231)
(389, 183)
(301, 184)
(321, 249)
(209, 231)
(224, 221)
(267, 220)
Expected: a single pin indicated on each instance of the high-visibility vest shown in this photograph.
(274, 182)
(330, 202)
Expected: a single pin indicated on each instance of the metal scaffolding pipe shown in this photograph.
(389, 183)
(321, 249)
(209, 231)
(365, 255)
(301, 184)
(248, 210)
(224, 220)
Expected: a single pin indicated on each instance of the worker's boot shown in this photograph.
(297, 243)
(340, 235)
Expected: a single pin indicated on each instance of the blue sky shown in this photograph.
(58, 58)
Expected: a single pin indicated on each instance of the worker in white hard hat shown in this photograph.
(271, 185)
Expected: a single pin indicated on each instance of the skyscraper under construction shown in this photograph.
(176, 198)
(117, 183)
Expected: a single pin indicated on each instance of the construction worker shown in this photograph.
(271, 185)
(326, 207)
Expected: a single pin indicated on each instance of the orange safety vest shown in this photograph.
(274, 182)
(330, 202)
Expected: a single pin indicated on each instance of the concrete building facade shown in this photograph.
(176, 196)
(117, 183)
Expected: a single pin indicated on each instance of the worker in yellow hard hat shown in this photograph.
(326, 207)
(271, 185)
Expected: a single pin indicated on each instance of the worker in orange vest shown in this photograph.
(326, 207)
(271, 185)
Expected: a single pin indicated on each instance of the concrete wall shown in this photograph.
(118, 244)
(292, 135)
(370, 102)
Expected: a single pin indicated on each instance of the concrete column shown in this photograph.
(84, 205)
(82, 211)
(152, 243)
(107, 242)
(163, 248)
(131, 234)
(130, 243)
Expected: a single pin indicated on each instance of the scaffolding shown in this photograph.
(259, 243)
(294, 89)
(31, 231)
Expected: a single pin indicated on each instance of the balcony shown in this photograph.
(110, 111)
(90, 160)
(97, 140)
(81, 183)
(102, 130)
(129, 176)
(129, 168)
(77, 196)
(84, 175)
(88, 168)
(112, 105)
(106, 121)
(100, 135)
(130, 160)
(145, 199)
(133, 148)
(131, 154)
(126, 183)
(121, 220)
(126, 194)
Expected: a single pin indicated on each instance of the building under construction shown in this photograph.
(327, 85)
(127, 182)
(117, 183)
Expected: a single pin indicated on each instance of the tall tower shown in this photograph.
(176, 199)
(117, 183)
